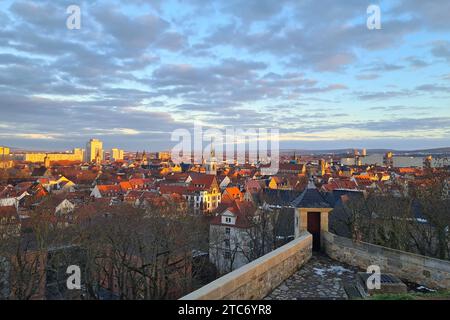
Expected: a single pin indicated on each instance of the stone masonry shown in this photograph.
(257, 279)
(320, 278)
(430, 272)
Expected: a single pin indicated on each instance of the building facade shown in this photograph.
(116, 154)
(76, 155)
(94, 150)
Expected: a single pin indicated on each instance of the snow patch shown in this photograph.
(339, 270)
(319, 272)
(423, 288)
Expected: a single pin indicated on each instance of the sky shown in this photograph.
(137, 70)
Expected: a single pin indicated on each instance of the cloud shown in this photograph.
(139, 69)
(384, 95)
(433, 88)
(441, 49)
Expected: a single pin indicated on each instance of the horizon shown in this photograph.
(69, 149)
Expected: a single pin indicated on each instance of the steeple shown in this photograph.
(144, 158)
(97, 157)
(47, 161)
(211, 165)
(212, 153)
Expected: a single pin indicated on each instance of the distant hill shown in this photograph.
(369, 151)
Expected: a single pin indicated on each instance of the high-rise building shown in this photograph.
(364, 152)
(4, 152)
(389, 159)
(116, 154)
(94, 150)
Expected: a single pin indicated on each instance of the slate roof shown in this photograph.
(279, 197)
(334, 197)
(311, 198)
(39, 172)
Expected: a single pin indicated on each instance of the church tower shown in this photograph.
(98, 158)
(211, 165)
(144, 158)
(47, 161)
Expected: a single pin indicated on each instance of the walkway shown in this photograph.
(320, 278)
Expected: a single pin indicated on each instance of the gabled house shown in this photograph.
(64, 207)
(229, 235)
(232, 194)
(203, 193)
(106, 191)
(280, 182)
(292, 168)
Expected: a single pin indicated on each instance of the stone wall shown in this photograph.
(427, 271)
(258, 278)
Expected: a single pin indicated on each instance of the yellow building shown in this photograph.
(163, 155)
(76, 155)
(94, 150)
(4, 151)
(116, 154)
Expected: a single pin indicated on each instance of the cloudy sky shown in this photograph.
(137, 70)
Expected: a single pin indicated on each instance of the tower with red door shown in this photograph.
(311, 214)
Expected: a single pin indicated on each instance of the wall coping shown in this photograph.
(328, 234)
(223, 281)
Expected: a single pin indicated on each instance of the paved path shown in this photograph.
(320, 278)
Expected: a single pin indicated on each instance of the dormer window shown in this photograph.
(228, 220)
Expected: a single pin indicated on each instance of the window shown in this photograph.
(227, 243)
(227, 255)
(227, 231)
(228, 220)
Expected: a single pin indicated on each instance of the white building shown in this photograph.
(406, 162)
(232, 237)
(372, 160)
(64, 207)
(229, 239)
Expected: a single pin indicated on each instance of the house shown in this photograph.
(232, 194)
(280, 182)
(229, 235)
(339, 184)
(224, 182)
(134, 197)
(64, 207)
(41, 172)
(203, 193)
(141, 183)
(57, 184)
(254, 186)
(292, 168)
(110, 191)
(178, 178)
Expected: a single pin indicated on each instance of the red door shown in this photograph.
(314, 228)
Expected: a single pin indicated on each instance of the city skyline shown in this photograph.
(136, 71)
